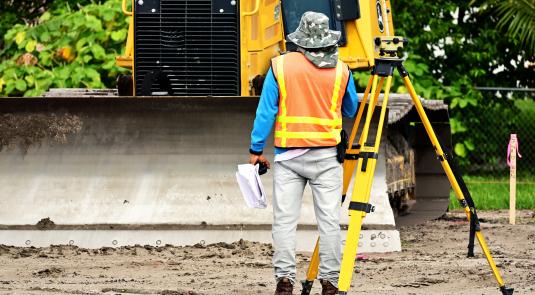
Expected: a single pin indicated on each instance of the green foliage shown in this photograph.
(70, 48)
(517, 16)
(28, 12)
(453, 48)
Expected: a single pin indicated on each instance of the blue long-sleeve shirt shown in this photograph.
(268, 108)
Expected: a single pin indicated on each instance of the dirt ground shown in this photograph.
(433, 261)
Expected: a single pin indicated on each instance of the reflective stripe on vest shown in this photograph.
(310, 120)
(285, 120)
(334, 134)
(282, 86)
(336, 90)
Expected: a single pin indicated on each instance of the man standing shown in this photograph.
(305, 94)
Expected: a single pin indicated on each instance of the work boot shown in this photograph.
(328, 288)
(284, 287)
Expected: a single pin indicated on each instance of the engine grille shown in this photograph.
(192, 42)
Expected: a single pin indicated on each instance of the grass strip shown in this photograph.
(495, 196)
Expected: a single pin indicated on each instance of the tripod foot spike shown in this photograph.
(342, 293)
(307, 287)
(507, 290)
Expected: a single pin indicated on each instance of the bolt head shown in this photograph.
(153, 10)
(140, 2)
(221, 10)
(233, 2)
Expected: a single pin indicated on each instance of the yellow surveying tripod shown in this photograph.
(364, 158)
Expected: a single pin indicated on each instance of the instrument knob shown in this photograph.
(378, 41)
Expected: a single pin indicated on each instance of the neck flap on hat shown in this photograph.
(322, 58)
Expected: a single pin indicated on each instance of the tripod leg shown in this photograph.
(352, 154)
(312, 271)
(350, 162)
(453, 180)
(361, 192)
(349, 168)
(359, 114)
(376, 98)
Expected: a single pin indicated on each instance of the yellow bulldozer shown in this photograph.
(154, 162)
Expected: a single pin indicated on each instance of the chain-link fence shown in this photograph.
(481, 136)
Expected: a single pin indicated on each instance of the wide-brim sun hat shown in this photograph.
(313, 32)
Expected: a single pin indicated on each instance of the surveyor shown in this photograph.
(305, 94)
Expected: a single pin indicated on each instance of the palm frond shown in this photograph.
(517, 17)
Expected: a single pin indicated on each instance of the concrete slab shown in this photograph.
(370, 240)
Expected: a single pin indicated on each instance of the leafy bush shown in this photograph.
(70, 48)
(28, 11)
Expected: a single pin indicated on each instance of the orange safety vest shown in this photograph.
(310, 102)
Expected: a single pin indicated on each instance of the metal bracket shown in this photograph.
(358, 206)
(365, 156)
(507, 290)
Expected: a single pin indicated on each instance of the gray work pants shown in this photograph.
(322, 171)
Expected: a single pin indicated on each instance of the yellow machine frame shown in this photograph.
(262, 38)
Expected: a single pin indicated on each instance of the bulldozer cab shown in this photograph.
(223, 47)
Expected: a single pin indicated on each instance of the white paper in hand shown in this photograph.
(251, 186)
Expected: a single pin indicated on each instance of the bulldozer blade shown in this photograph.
(137, 163)
(94, 171)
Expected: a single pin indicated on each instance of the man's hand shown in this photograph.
(259, 159)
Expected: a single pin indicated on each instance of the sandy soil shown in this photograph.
(433, 261)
